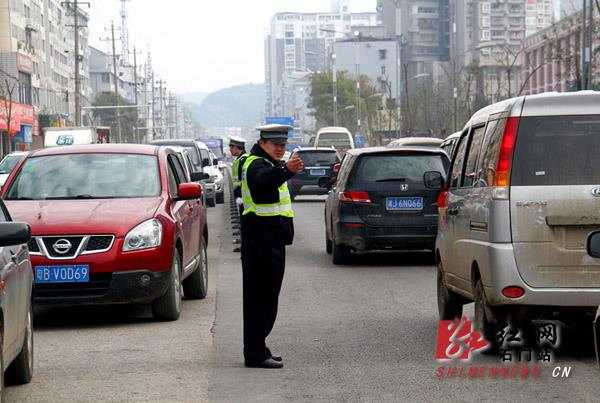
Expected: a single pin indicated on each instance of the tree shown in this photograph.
(6, 110)
(108, 117)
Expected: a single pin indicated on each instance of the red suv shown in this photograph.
(112, 223)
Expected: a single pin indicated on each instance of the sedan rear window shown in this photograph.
(405, 168)
(87, 176)
(557, 150)
(318, 158)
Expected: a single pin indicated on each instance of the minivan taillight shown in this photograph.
(355, 197)
(442, 201)
(336, 168)
(502, 177)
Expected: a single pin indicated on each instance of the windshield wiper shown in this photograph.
(391, 180)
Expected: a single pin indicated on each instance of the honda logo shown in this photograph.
(596, 191)
(404, 188)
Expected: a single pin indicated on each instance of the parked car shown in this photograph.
(416, 141)
(449, 143)
(112, 223)
(208, 188)
(216, 177)
(199, 155)
(521, 198)
(16, 315)
(318, 161)
(8, 163)
(383, 199)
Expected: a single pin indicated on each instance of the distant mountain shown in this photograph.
(193, 97)
(241, 105)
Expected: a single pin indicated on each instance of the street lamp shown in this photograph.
(335, 112)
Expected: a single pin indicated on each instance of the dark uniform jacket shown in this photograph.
(264, 180)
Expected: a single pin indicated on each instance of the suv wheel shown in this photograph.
(196, 285)
(328, 244)
(340, 253)
(211, 202)
(484, 324)
(220, 198)
(168, 307)
(450, 305)
(21, 369)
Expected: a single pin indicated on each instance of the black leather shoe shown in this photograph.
(268, 363)
(277, 358)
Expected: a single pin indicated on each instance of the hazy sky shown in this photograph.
(202, 45)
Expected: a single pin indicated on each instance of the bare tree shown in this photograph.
(6, 109)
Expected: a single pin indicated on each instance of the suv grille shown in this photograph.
(69, 252)
(33, 246)
(99, 242)
(98, 285)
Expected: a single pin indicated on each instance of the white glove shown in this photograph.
(239, 201)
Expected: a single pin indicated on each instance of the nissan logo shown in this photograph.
(404, 188)
(596, 191)
(62, 246)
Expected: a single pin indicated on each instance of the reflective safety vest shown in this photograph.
(235, 171)
(282, 208)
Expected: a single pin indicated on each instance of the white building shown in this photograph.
(301, 42)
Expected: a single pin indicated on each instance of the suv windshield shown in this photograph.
(317, 158)
(87, 176)
(8, 163)
(405, 168)
(557, 150)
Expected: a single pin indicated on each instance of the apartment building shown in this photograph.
(301, 42)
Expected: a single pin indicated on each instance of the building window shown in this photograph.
(485, 21)
(485, 35)
(383, 71)
(382, 54)
(25, 88)
(105, 78)
(485, 7)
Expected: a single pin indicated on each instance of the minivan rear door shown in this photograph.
(394, 182)
(554, 199)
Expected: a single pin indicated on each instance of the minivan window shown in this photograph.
(9, 162)
(486, 168)
(315, 158)
(458, 163)
(393, 167)
(557, 150)
(471, 165)
(87, 176)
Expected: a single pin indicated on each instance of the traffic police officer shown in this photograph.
(267, 227)
(237, 147)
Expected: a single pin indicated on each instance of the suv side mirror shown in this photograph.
(215, 161)
(593, 244)
(433, 180)
(14, 233)
(199, 176)
(189, 191)
(205, 162)
(324, 182)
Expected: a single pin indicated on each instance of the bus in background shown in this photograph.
(337, 137)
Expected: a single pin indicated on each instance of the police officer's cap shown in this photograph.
(237, 142)
(275, 132)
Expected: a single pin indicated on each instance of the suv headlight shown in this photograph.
(146, 235)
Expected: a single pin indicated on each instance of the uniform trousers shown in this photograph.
(263, 266)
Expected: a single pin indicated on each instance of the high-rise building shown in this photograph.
(301, 42)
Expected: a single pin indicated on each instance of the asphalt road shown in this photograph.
(361, 332)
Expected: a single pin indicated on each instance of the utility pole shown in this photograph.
(584, 48)
(135, 88)
(153, 114)
(357, 35)
(75, 4)
(116, 79)
(335, 106)
(160, 102)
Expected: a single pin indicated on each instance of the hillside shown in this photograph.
(241, 105)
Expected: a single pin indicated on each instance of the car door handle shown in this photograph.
(453, 211)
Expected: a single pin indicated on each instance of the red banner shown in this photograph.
(19, 115)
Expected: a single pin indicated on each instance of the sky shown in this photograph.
(201, 45)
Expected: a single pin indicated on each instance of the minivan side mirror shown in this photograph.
(324, 182)
(199, 176)
(215, 161)
(433, 180)
(593, 244)
(14, 233)
(205, 162)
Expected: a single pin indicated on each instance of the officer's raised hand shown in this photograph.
(295, 164)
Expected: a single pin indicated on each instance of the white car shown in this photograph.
(8, 163)
(210, 166)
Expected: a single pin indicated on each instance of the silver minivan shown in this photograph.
(523, 193)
